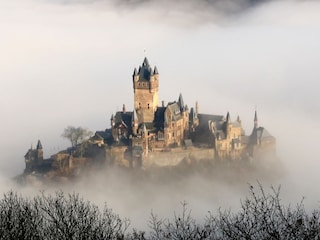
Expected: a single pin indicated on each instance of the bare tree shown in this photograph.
(262, 216)
(76, 135)
(19, 218)
(73, 218)
(182, 227)
(59, 216)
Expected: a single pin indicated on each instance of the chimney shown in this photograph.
(124, 108)
(162, 103)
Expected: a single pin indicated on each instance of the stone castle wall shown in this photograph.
(175, 155)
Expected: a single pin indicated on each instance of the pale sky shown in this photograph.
(71, 63)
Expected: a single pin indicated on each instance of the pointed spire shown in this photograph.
(39, 145)
(255, 119)
(155, 70)
(111, 117)
(135, 73)
(146, 63)
(181, 103)
(228, 118)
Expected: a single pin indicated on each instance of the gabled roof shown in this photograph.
(105, 135)
(203, 131)
(159, 117)
(147, 126)
(261, 134)
(175, 110)
(205, 118)
(123, 118)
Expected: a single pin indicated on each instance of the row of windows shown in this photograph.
(140, 105)
(143, 84)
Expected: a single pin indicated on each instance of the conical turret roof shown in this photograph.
(39, 145)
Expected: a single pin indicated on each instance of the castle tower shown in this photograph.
(145, 87)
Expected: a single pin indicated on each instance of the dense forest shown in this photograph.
(69, 216)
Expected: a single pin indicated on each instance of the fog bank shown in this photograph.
(70, 63)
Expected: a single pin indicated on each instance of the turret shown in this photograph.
(196, 110)
(255, 119)
(155, 72)
(39, 151)
(228, 125)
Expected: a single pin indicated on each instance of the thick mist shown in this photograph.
(70, 63)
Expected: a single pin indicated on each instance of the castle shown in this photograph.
(164, 135)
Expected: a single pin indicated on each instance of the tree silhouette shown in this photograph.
(76, 135)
